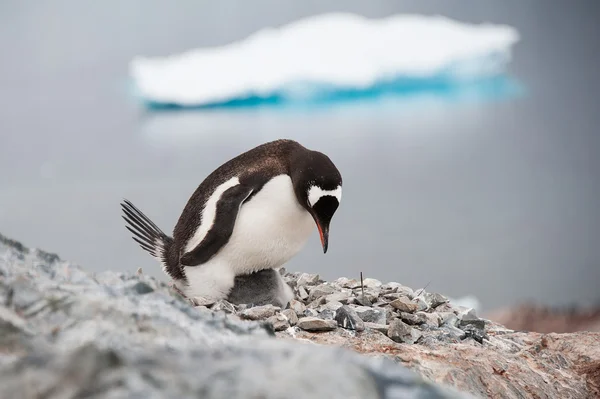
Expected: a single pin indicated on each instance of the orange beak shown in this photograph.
(324, 234)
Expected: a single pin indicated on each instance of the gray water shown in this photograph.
(496, 199)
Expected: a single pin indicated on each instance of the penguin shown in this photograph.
(255, 212)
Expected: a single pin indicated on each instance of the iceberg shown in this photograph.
(328, 56)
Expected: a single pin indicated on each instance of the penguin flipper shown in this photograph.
(226, 213)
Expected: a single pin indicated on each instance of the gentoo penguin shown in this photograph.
(254, 212)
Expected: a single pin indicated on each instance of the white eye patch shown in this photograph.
(315, 193)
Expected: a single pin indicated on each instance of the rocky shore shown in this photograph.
(66, 333)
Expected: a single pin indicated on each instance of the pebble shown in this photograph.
(224, 306)
(401, 332)
(340, 297)
(309, 313)
(308, 279)
(279, 322)
(291, 315)
(448, 319)
(370, 315)
(347, 318)
(413, 319)
(302, 294)
(259, 312)
(435, 300)
(315, 324)
(201, 301)
(431, 319)
(320, 291)
(327, 314)
(364, 301)
(382, 328)
(297, 307)
(421, 304)
(347, 282)
(332, 305)
(404, 305)
(371, 283)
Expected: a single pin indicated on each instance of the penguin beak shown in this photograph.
(324, 233)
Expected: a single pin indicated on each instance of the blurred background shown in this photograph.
(494, 197)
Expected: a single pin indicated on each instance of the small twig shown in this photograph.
(423, 289)
(362, 287)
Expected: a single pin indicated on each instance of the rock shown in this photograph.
(344, 282)
(320, 291)
(297, 307)
(467, 314)
(364, 301)
(308, 279)
(340, 297)
(223, 306)
(398, 331)
(413, 319)
(448, 319)
(291, 316)
(431, 319)
(435, 300)
(382, 328)
(332, 306)
(309, 313)
(327, 314)
(259, 312)
(316, 303)
(315, 324)
(200, 301)
(421, 304)
(347, 318)
(279, 322)
(370, 315)
(371, 283)
(302, 294)
(78, 336)
(404, 305)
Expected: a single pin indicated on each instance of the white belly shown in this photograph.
(270, 230)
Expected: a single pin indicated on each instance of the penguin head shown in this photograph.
(318, 187)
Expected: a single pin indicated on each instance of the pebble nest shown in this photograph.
(392, 309)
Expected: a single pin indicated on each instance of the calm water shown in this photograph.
(495, 199)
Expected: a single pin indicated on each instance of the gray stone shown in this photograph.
(370, 315)
(467, 314)
(371, 283)
(224, 306)
(404, 305)
(364, 301)
(297, 307)
(259, 312)
(341, 297)
(332, 305)
(382, 328)
(401, 332)
(448, 319)
(327, 314)
(200, 301)
(309, 313)
(421, 304)
(316, 303)
(431, 319)
(308, 279)
(279, 322)
(434, 299)
(320, 291)
(413, 319)
(347, 283)
(347, 318)
(302, 294)
(315, 324)
(291, 316)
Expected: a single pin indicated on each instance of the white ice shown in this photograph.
(338, 50)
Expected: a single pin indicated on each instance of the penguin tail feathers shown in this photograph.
(147, 234)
